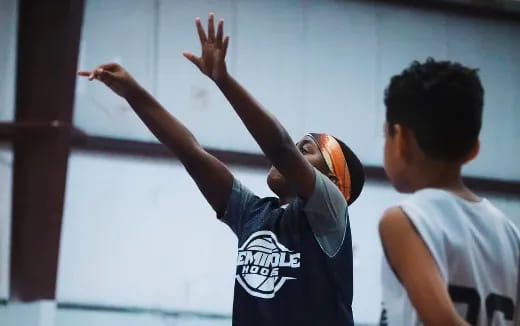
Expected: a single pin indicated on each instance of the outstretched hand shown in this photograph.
(115, 77)
(214, 47)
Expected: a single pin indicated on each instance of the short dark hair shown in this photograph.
(356, 171)
(441, 102)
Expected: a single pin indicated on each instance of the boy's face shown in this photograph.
(308, 147)
(394, 162)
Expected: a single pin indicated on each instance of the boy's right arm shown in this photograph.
(417, 270)
(212, 177)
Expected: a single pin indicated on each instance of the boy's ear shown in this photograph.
(474, 152)
(402, 141)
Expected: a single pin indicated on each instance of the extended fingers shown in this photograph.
(89, 74)
(99, 73)
(211, 27)
(193, 58)
(200, 30)
(225, 44)
(220, 32)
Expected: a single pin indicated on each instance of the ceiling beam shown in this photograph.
(495, 9)
(156, 150)
(117, 146)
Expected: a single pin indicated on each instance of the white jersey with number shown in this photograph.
(477, 250)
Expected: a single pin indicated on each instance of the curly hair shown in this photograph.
(441, 102)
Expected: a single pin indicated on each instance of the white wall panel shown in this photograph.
(489, 46)
(182, 88)
(340, 74)
(364, 218)
(270, 42)
(121, 31)
(6, 169)
(8, 37)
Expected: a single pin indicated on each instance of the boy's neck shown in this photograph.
(446, 176)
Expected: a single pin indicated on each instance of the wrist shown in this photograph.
(135, 93)
(222, 80)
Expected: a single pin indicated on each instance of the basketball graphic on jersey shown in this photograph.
(264, 264)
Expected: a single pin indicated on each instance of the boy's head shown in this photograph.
(433, 114)
(331, 157)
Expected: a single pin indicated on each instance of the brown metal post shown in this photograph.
(48, 44)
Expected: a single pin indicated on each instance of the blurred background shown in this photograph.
(99, 225)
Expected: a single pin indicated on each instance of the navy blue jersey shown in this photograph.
(294, 264)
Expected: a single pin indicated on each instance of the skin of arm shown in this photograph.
(417, 270)
(211, 176)
(270, 135)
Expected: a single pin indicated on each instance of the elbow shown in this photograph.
(186, 151)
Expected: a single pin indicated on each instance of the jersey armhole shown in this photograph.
(424, 242)
(391, 266)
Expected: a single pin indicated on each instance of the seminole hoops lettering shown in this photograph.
(266, 261)
(264, 264)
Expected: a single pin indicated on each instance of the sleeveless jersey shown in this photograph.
(477, 251)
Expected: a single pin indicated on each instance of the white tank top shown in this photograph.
(477, 250)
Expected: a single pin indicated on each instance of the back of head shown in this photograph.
(441, 102)
(356, 170)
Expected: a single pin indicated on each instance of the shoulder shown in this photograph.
(499, 216)
(511, 229)
(325, 194)
(408, 244)
(394, 222)
(402, 226)
(416, 205)
(400, 238)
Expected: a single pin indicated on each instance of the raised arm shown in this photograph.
(211, 176)
(272, 137)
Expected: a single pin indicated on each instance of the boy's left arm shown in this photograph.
(270, 135)
(417, 270)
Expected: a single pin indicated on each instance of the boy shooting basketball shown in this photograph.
(294, 263)
(451, 257)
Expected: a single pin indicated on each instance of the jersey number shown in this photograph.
(470, 296)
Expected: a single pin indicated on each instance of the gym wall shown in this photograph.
(139, 243)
